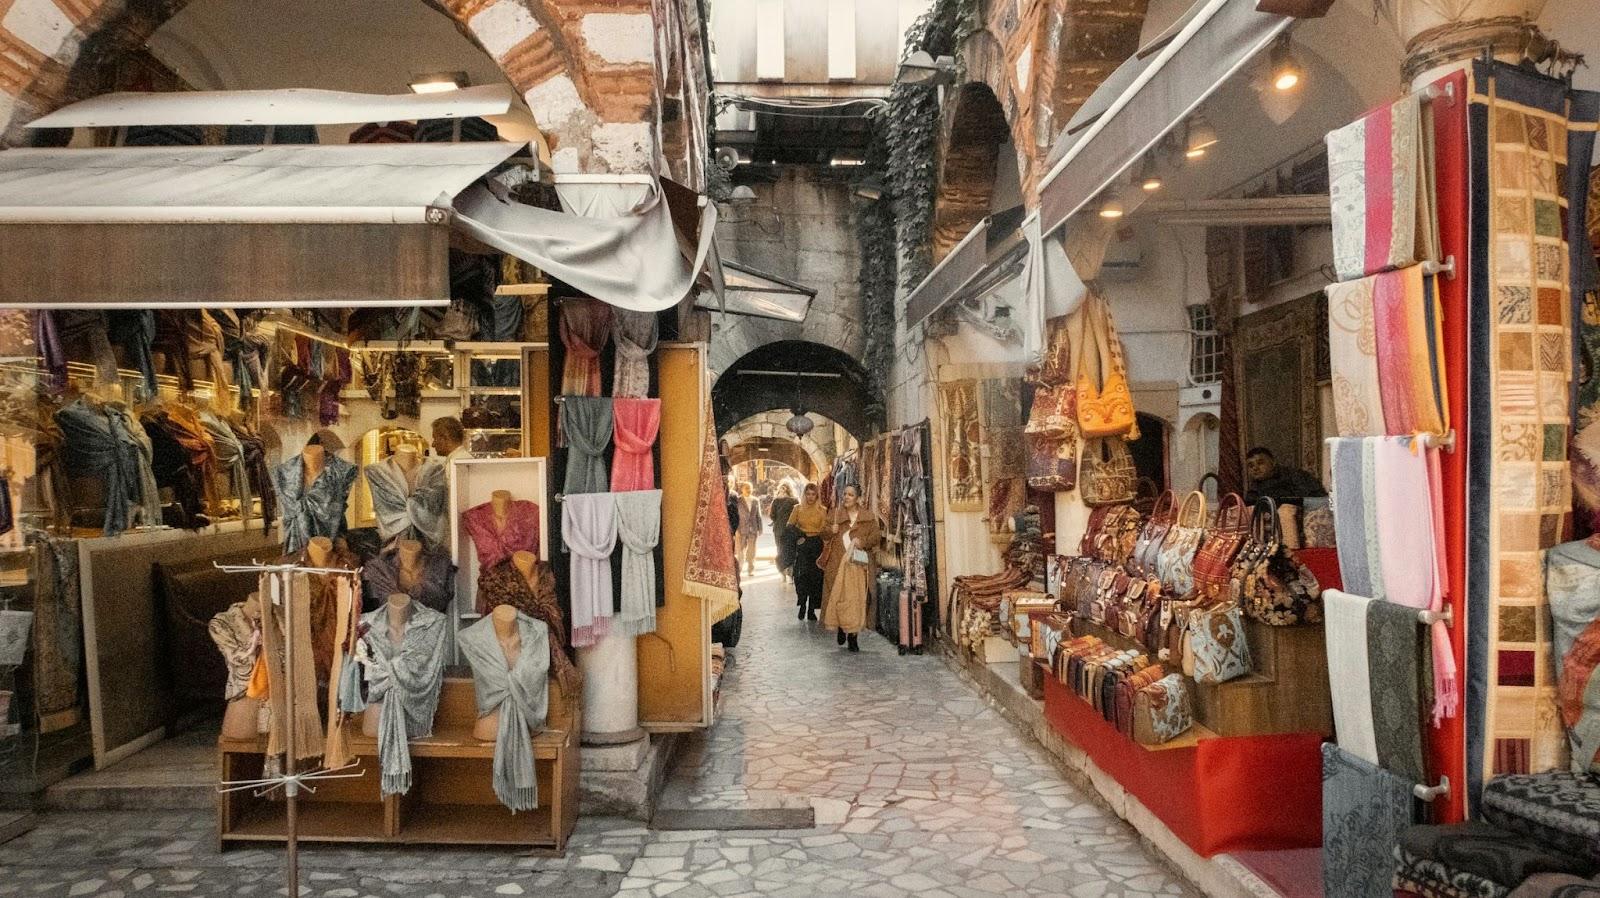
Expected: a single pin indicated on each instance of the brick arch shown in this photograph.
(586, 69)
(975, 132)
(1092, 40)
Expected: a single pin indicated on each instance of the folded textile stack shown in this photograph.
(1557, 809)
(1475, 860)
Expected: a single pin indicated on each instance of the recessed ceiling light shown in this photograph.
(438, 82)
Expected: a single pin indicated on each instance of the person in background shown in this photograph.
(807, 524)
(1284, 485)
(449, 440)
(783, 504)
(749, 528)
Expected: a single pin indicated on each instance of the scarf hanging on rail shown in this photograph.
(309, 738)
(587, 426)
(1364, 810)
(1378, 663)
(521, 695)
(1525, 130)
(589, 528)
(346, 610)
(1353, 353)
(1380, 182)
(1407, 321)
(639, 531)
(405, 678)
(1360, 568)
(585, 327)
(711, 571)
(504, 584)
(634, 335)
(135, 331)
(963, 475)
(57, 626)
(635, 425)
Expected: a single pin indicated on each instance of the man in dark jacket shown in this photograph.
(1283, 485)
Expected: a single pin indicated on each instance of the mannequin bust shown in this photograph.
(527, 563)
(319, 551)
(409, 554)
(242, 718)
(500, 501)
(399, 614)
(407, 460)
(505, 630)
(315, 457)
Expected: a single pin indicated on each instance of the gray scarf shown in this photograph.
(522, 696)
(404, 512)
(586, 423)
(639, 530)
(411, 673)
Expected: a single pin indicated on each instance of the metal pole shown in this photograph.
(291, 787)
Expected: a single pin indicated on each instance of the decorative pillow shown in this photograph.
(1572, 581)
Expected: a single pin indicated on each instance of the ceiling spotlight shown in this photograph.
(1286, 71)
(438, 82)
(922, 68)
(1202, 137)
(742, 195)
(1150, 175)
(1112, 208)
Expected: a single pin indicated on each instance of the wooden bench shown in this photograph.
(451, 800)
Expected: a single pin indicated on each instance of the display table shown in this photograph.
(451, 802)
(1215, 793)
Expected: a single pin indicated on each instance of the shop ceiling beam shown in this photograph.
(293, 106)
(1299, 209)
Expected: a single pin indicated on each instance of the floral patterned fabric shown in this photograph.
(1364, 811)
(963, 476)
(1572, 578)
(1475, 858)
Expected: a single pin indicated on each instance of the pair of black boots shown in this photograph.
(850, 640)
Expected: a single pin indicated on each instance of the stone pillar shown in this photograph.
(610, 691)
(1437, 43)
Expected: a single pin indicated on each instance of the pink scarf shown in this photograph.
(634, 422)
(585, 328)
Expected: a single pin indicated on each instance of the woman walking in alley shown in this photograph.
(853, 534)
(749, 528)
(808, 524)
(782, 506)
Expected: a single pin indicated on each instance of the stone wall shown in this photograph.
(801, 227)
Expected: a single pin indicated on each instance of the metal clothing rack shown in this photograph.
(288, 779)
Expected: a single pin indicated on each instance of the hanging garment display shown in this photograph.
(323, 590)
(1572, 577)
(1377, 657)
(958, 402)
(309, 736)
(238, 638)
(639, 531)
(504, 584)
(346, 609)
(634, 334)
(1518, 482)
(711, 571)
(1355, 509)
(589, 529)
(1380, 181)
(410, 504)
(587, 425)
(315, 510)
(1104, 401)
(230, 455)
(57, 626)
(135, 331)
(636, 423)
(1411, 379)
(15, 627)
(519, 692)
(174, 465)
(1353, 354)
(1004, 451)
(405, 677)
(83, 336)
(434, 584)
(260, 475)
(585, 327)
(496, 540)
(148, 511)
(1364, 811)
(97, 443)
(1349, 670)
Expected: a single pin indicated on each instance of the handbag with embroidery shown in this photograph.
(1108, 476)
(1105, 404)
(1052, 463)
(1118, 533)
(1091, 531)
(1175, 562)
(1162, 711)
(1147, 549)
(1213, 563)
(1217, 650)
(1270, 582)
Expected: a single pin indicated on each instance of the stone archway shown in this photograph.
(822, 379)
(974, 138)
(586, 70)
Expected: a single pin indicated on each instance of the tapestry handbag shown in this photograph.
(1162, 711)
(1118, 534)
(1108, 476)
(1129, 689)
(1318, 527)
(1217, 650)
(1213, 563)
(1147, 549)
(1052, 463)
(1091, 531)
(1105, 404)
(1272, 584)
(1175, 564)
(1054, 412)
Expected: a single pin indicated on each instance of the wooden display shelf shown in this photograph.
(451, 800)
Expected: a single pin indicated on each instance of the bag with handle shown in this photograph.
(1175, 564)
(1118, 533)
(1161, 711)
(1216, 650)
(1147, 549)
(1272, 585)
(1213, 563)
(1107, 476)
(1105, 404)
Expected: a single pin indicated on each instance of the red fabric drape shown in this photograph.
(634, 426)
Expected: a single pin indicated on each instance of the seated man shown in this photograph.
(1284, 485)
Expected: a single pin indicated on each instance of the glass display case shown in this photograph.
(491, 397)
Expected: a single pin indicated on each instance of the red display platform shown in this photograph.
(1216, 794)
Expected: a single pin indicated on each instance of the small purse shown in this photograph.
(1052, 463)
(1108, 475)
(1147, 549)
(1162, 711)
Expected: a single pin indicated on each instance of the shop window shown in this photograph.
(1205, 345)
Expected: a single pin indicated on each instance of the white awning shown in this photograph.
(1148, 96)
(293, 106)
(747, 291)
(635, 260)
(344, 184)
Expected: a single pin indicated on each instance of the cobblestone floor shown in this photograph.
(919, 789)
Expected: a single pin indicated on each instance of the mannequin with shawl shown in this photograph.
(313, 490)
(589, 529)
(236, 630)
(510, 658)
(230, 455)
(635, 424)
(528, 585)
(853, 533)
(403, 653)
(96, 442)
(409, 497)
(501, 527)
(149, 511)
(426, 575)
(634, 334)
(586, 428)
(585, 327)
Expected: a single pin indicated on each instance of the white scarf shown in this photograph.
(589, 529)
